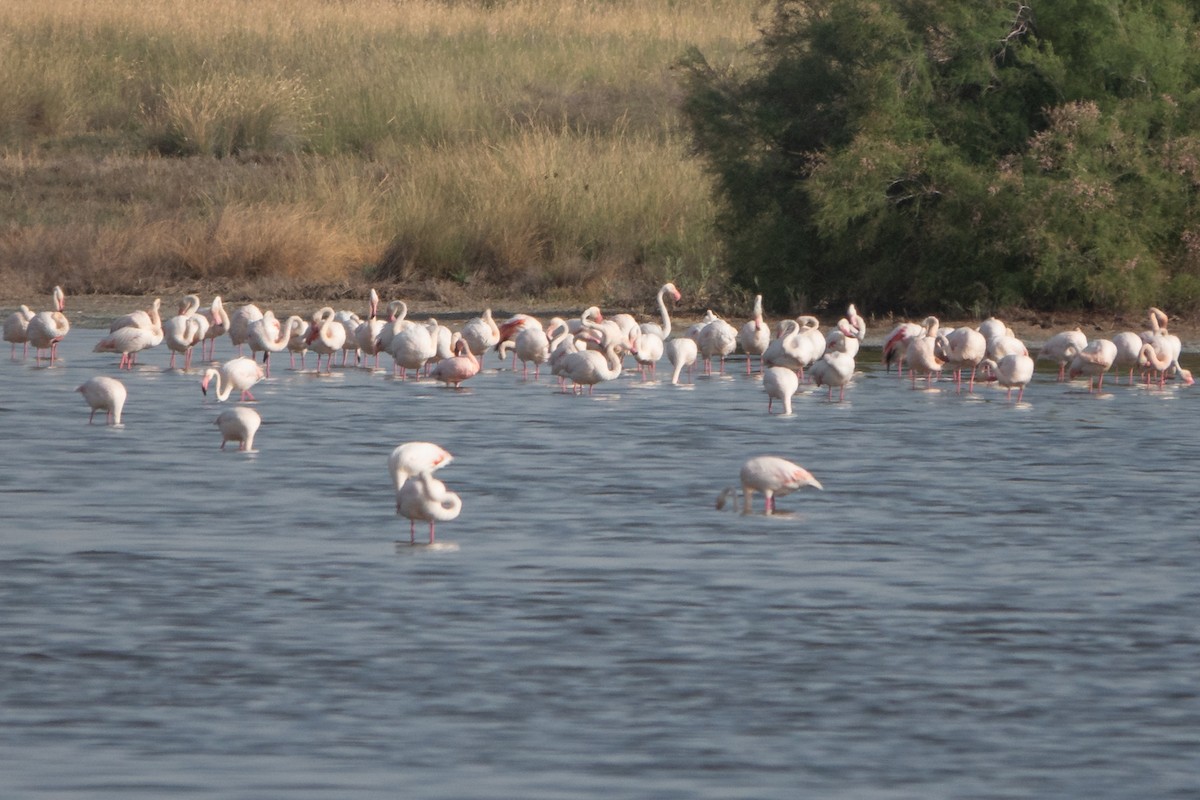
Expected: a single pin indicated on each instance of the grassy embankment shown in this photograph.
(470, 149)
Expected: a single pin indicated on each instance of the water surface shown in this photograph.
(988, 600)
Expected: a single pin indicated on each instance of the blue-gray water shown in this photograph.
(986, 601)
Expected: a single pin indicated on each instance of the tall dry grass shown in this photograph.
(532, 144)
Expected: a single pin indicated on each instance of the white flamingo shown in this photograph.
(47, 328)
(1013, 371)
(326, 335)
(663, 330)
(964, 348)
(129, 341)
(780, 383)
(1062, 348)
(771, 475)
(1093, 361)
(458, 368)
(1129, 347)
(425, 498)
(218, 325)
(106, 394)
(480, 333)
(682, 353)
(16, 326)
(718, 338)
(239, 324)
(238, 424)
(754, 337)
(238, 373)
(588, 367)
(836, 366)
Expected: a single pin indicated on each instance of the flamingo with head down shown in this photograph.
(238, 424)
(106, 394)
(420, 496)
(238, 373)
(771, 475)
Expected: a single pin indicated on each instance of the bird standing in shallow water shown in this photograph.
(239, 425)
(104, 393)
(420, 496)
(771, 475)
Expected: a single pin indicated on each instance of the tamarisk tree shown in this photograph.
(916, 154)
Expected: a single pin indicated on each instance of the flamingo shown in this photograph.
(662, 331)
(845, 337)
(1063, 347)
(589, 367)
(366, 335)
(407, 464)
(836, 366)
(787, 349)
(1129, 346)
(771, 475)
(717, 338)
(458, 368)
(239, 324)
(47, 328)
(267, 335)
(780, 383)
(963, 348)
(148, 319)
(1014, 370)
(325, 336)
(531, 346)
(104, 393)
(16, 326)
(1093, 360)
(218, 325)
(480, 333)
(895, 345)
(411, 348)
(238, 373)
(129, 341)
(647, 349)
(184, 330)
(513, 327)
(413, 458)
(754, 337)
(922, 353)
(238, 424)
(297, 341)
(424, 497)
(682, 354)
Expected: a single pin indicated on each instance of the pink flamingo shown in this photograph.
(771, 475)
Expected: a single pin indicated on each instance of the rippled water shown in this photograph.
(986, 601)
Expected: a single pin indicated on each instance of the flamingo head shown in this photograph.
(675, 295)
(314, 330)
(1186, 376)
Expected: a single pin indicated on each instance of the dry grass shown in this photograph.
(531, 145)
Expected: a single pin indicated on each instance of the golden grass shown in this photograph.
(531, 144)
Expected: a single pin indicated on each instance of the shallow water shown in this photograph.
(988, 600)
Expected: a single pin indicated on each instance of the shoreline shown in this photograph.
(1032, 327)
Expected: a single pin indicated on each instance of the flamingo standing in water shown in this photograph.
(682, 354)
(1014, 370)
(771, 475)
(754, 336)
(836, 366)
(185, 330)
(458, 368)
(1063, 347)
(326, 335)
(588, 367)
(963, 348)
(239, 425)
(480, 333)
(662, 331)
(218, 325)
(419, 496)
(780, 383)
(129, 341)
(106, 394)
(238, 373)
(47, 328)
(1129, 347)
(1093, 361)
(717, 338)
(922, 355)
(16, 326)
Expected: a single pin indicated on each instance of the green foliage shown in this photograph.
(921, 154)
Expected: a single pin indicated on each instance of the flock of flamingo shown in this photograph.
(581, 353)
